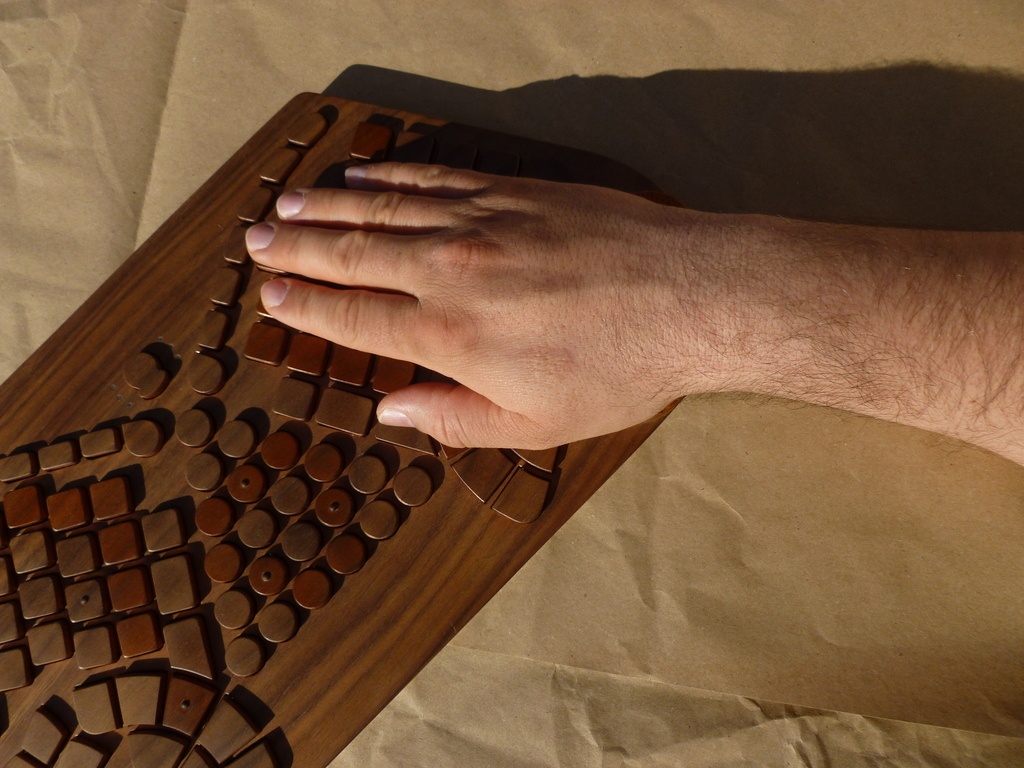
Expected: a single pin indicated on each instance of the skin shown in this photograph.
(568, 311)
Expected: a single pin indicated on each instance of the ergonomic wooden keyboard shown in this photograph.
(211, 554)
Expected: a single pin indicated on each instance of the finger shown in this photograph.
(388, 209)
(435, 180)
(457, 416)
(382, 323)
(356, 258)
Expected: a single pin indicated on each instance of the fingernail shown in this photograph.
(258, 237)
(290, 203)
(356, 171)
(273, 293)
(391, 417)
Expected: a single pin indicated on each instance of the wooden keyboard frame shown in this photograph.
(449, 557)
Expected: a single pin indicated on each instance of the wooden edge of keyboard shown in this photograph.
(282, 701)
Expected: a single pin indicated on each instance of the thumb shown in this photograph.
(457, 416)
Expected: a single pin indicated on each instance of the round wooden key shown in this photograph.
(324, 463)
(234, 609)
(379, 519)
(237, 439)
(346, 554)
(247, 483)
(279, 622)
(206, 374)
(257, 528)
(194, 428)
(138, 368)
(301, 542)
(281, 450)
(144, 373)
(268, 575)
(368, 474)
(413, 486)
(154, 384)
(244, 657)
(224, 563)
(290, 495)
(204, 471)
(215, 516)
(143, 437)
(334, 507)
(312, 589)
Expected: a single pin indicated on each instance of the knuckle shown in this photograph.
(384, 207)
(350, 251)
(461, 337)
(438, 173)
(344, 312)
(461, 255)
(453, 335)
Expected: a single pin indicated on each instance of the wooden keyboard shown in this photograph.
(211, 554)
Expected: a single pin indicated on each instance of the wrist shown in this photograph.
(733, 301)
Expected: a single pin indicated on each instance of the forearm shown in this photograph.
(921, 328)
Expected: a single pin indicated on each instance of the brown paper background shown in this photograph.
(766, 550)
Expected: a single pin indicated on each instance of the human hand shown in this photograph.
(561, 310)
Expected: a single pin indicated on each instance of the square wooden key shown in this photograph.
(49, 642)
(350, 366)
(392, 374)
(96, 647)
(371, 141)
(345, 411)
(214, 330)
(32, 551)
(24, 507)
(101, 442)
(232, 245)
(86, 600)
(58, 455)
(129, 589)
(68, 509)
(111, 498)
(174, 584)
(18, 466)
(279, 166)
(139, 634)
(163, 530)
(267, 344)
(227, 286)
(256, 205)
(121, 542)
(42, 596)
(77, 555)
(295, 399)
(309, 354)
